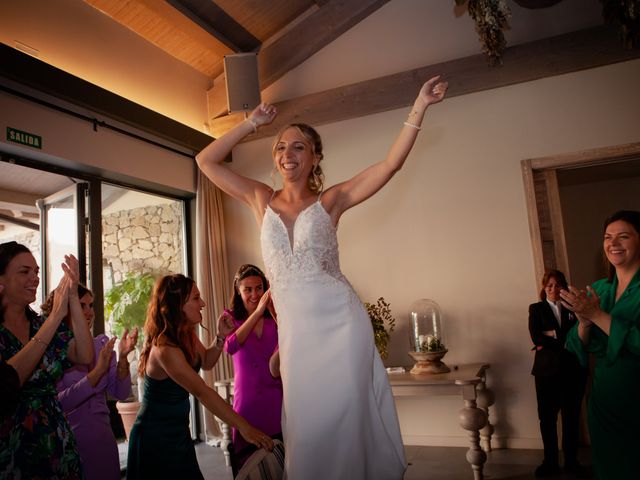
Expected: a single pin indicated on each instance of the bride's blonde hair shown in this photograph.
(316, 177)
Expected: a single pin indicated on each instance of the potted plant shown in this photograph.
(125, 306)
(380, 315)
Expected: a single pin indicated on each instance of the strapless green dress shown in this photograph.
(160, 444)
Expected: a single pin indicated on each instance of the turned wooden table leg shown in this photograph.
(486, 398)
(225, 391)
(473, 419)
(226, 440)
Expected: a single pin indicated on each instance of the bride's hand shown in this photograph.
(433, 91)
(263, 114)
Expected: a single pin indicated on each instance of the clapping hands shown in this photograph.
(67, 287)
(584, 303)
(104, 357)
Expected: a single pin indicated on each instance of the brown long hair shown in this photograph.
(166, 323)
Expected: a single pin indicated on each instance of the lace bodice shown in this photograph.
(312, 250)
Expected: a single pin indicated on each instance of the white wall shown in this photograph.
(68, 141)
(452, 225)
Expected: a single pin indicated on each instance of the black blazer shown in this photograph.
(552, 358)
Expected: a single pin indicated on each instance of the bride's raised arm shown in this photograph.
(211, 157)
(363, 185)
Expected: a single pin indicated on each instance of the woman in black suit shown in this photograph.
(560, 380)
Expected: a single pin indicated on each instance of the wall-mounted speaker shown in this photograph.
(243, 86)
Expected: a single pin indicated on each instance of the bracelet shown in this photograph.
(254, 125)
(219, 341)
(413, 125)
(39, 340)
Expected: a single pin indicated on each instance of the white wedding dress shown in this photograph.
(339, 417)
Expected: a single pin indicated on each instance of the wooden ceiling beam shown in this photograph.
(12, 200)
(22, 223)
(216, 21)
(309, 35)
(558, 55)
(167, 28)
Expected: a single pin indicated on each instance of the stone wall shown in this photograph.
(146, 239)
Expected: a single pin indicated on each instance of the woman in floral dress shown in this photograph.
(36, 441)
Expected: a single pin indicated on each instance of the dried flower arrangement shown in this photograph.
(491, 17)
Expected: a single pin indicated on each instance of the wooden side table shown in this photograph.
(470, 382)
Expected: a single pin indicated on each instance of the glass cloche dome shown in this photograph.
(427, 334)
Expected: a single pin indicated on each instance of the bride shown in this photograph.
(339, 418)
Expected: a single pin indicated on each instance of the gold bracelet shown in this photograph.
(39, 340)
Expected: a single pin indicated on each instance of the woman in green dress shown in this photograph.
(609, 329)
(36, 441)
(160, 444)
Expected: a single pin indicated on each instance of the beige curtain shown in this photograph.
(212, 278)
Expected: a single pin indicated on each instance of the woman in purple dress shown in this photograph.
(81, 392)
(253, 345)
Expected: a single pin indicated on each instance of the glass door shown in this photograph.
(62, 229)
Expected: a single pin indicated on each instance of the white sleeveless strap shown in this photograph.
(272, 195)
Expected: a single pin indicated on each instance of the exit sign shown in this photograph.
(24, 138)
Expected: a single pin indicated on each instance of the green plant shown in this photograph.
(432, 344)
(125, 304)
(380, 314)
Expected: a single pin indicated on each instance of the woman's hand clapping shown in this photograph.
(585, 304)
(104, 357)
(127, 342)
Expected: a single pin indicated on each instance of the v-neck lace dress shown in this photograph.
(339, 417)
